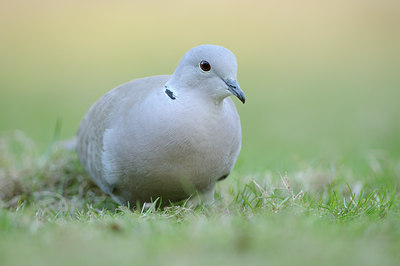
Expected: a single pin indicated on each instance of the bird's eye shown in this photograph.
(205, 66)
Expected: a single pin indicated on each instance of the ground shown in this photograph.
(53, 214)
(316, 181)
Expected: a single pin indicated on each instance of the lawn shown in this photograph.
(317, 180)
(54, 215)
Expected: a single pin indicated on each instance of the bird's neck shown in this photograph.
(181, 94)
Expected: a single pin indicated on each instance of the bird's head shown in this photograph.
(209, 69)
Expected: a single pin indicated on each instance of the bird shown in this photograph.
(169, 137)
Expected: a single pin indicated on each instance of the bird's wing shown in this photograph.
(99, 117)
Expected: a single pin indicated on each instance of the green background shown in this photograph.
(322, 88)
(321, 78)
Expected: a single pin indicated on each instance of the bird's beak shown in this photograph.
(234, 88)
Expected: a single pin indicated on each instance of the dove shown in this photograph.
(168, 137)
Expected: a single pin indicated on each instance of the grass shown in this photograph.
(52, 214)
(317, 181)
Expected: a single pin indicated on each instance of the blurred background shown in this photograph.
(321, 78)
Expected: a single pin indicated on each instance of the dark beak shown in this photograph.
(234, 88)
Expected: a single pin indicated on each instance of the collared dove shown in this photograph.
(170, 137)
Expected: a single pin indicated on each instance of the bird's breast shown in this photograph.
(175, 143)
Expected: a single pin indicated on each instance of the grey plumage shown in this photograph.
(165, 136)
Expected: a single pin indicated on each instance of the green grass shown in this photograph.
(317, 181)
(53, 214)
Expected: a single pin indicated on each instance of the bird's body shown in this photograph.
(160, 137)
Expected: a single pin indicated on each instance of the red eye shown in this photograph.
(205, 66)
